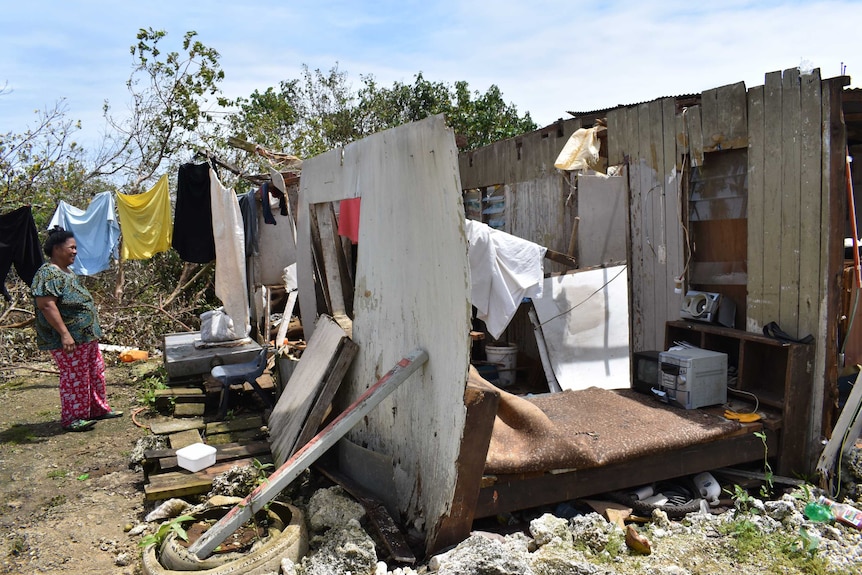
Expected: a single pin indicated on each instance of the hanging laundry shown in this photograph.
(267, 190)
(248, 207)
(230, 272)
(193, 225)
(145, 220)
(19, 246)
(96, 230)
(504, 269)
(348, 219)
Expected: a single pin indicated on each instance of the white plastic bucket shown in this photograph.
(507, 358)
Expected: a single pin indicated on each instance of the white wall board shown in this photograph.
(584, 317)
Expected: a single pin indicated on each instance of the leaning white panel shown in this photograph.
(412, 291)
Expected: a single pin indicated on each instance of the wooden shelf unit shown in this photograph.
(779, 374)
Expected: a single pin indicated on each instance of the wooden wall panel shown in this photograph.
(639, 302)
(656, 201)
(756, 203)
(672, 181)
(616, 128)
(771, 234)
(724, 118)
(542, 210)
(516, 159)
(833, 216)
(695, 135)
(788, 313)
(811, 261)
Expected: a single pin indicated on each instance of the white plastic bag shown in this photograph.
(217, 326)
(580, 152)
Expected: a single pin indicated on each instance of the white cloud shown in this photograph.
(547, 56)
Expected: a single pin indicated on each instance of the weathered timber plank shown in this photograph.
(312, 371)
(788, 313)
(680, 123)
(637, 229)
(229, 450)
(306, 291)
(657, 199)
(811, 289)
(672, 180)
(183, 483)
(328, 388)
(772, 224)
(234, 436)
(616, 136)
(755, 220)
(481, 411)
(176, 425)
(166, 459)
(183, 409)
(649, 190)
(184, 438)
(236, 424)
(695, 136)
(833, 218)
(724, 118)
(331, 270)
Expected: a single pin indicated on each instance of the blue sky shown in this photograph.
(546, 56)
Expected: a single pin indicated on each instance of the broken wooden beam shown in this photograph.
(561, 258)
(308, 454)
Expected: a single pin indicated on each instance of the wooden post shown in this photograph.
(309, 453)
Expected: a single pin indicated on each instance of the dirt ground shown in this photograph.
(65, 498)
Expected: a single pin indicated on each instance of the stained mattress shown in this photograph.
(590, 428)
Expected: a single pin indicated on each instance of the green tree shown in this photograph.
(171, 112)
(320, 111)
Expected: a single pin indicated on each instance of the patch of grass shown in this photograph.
(57, 474)
(12, 384)
(46, 413)
(783, 553)
(148, 385)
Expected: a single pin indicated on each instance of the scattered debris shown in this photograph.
(637, 542)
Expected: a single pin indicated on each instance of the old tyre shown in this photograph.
(681, 501)
(290, 542)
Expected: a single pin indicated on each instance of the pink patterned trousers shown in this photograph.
(82, 382)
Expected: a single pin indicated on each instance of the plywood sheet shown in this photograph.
(300, 392)
(411, 291)
(585, 320)
(602, 228)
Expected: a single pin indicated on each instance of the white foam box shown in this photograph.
(196, 456)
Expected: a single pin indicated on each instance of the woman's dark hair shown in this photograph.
(56, 236)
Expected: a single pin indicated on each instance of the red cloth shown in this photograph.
(348, 219)
(82, 382)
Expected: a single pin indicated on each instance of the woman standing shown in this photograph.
(67, 325)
